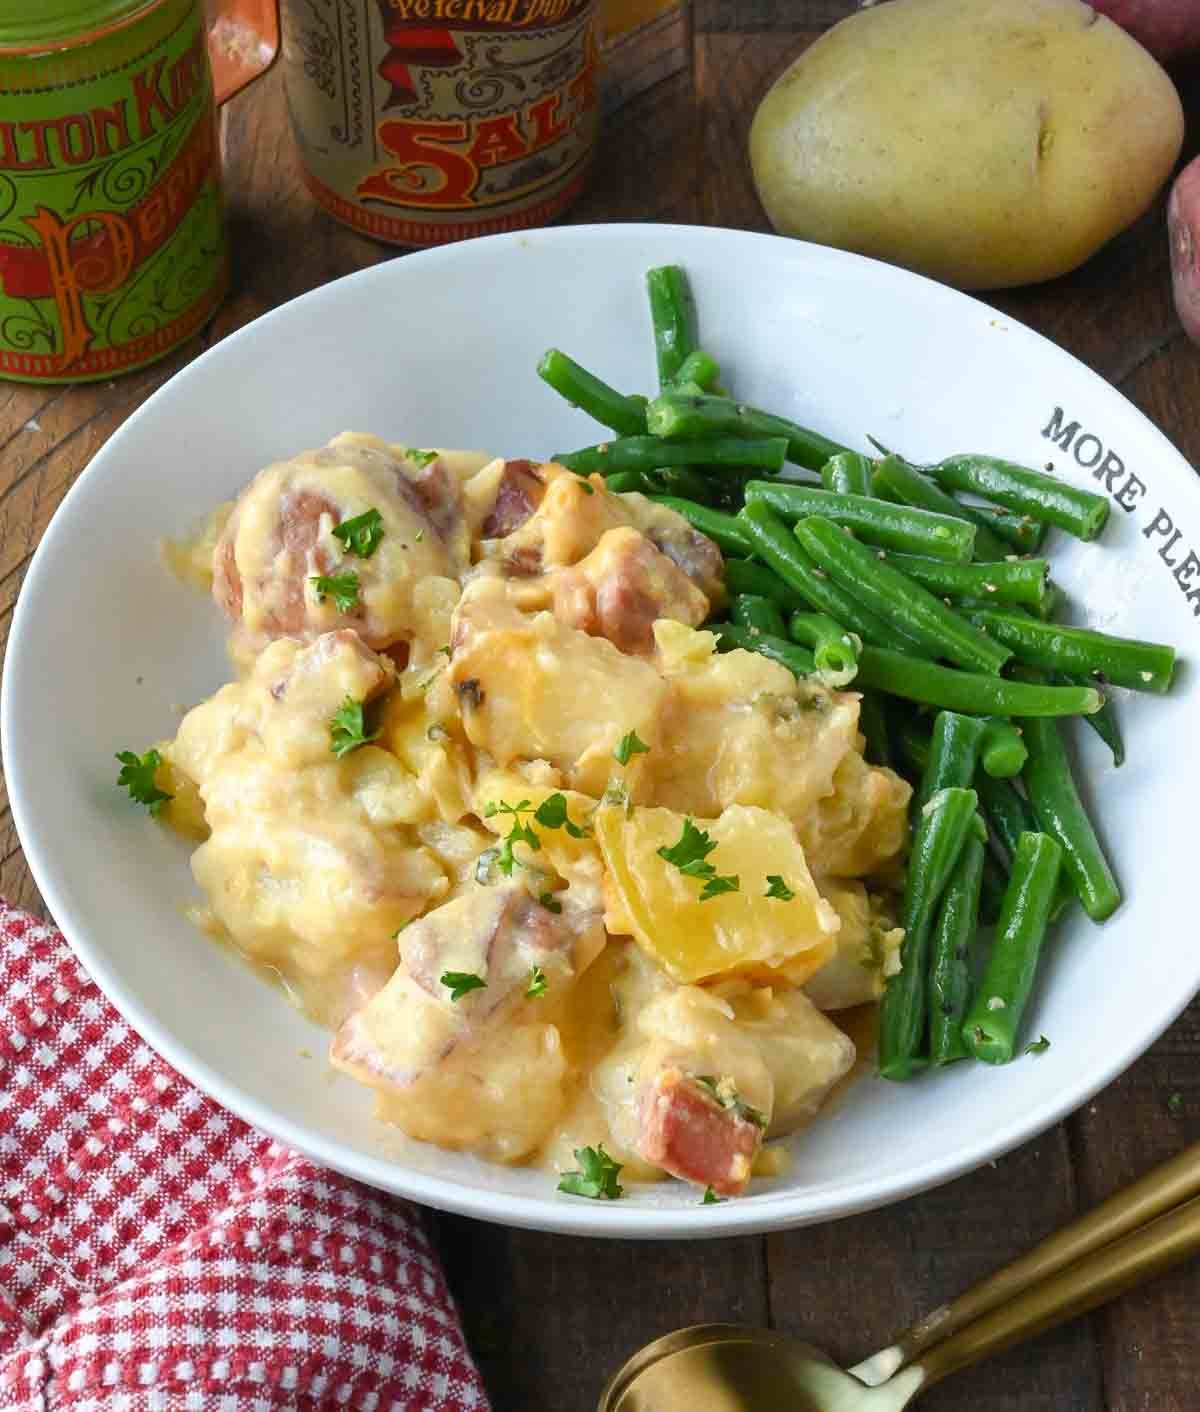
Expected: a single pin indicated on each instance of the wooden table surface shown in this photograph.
(550, 1316)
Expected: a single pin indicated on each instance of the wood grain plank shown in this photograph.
(784, 18)
(551, 1317)
(733, 71)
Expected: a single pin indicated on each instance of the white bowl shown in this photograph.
(440, 348)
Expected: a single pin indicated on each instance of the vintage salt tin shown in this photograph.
(424, 121)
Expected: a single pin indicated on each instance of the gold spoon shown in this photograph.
(1134, 1235)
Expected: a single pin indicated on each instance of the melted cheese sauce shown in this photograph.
(430, 781)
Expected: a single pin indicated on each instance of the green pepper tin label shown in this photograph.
(111, 237)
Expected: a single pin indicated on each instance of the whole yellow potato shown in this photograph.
(987, 143)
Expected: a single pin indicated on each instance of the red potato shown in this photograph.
(1169, 29)
(1183, 233)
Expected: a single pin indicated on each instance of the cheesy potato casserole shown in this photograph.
(489, 803)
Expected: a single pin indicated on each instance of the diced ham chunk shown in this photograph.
(498, 934)
(280, 539)
(518, 494)
(688, 1132)
(488, 1071)
(622, 588)
(693, 553)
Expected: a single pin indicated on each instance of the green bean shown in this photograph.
(1005, 808)
(834, 649)
(700, 369)
(848, 473)
(1009, 815)
(991, 891)
(933, 685)
(1020, 532)
(942, 829)
(1060, 813)
(1104, 722)
(990, 1028)
(952, 755)
(680, 417)
(647, 453)
(673, 315)
(1082, 513)
(912, 736)
(682, 481)
(874, 725)
(950, 954)
(1127, 661)
(906, 484)
(726, 531)
(758, 615)
(775, 544)
(889, 526)
(743, 577)
(798, 661)
(1003, 753)
(624, 415)
(625, 481)
(1023, 581)
(897, 599)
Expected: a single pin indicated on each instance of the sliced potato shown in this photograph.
(661, 907)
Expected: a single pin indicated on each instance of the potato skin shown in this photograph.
(987, 143)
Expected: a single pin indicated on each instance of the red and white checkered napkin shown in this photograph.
(158, 1255)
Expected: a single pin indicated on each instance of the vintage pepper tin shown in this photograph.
(112, 244)
(424, 121)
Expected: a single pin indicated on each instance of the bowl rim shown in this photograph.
(763, 1212)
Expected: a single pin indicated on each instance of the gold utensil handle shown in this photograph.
(1096, 1278)
(1160, 1190)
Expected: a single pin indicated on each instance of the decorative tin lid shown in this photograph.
(42, 25)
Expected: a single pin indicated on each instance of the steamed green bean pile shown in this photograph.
(925, 588)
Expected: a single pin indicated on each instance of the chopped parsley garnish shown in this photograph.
(1038, 1046)
(716, 885)
(710, 1198)
(419, 458)
(137, 776)
(347, 730)
(630, 744)
(361, 535)
(550, 902)
(506, 861)
(461, 983)
(690, 853)
(551, 813)
(342, 588)
(537, 983)
(777, 888)
(726, 1094)
(419, 536)
(1175, 1105)
(596, 1177)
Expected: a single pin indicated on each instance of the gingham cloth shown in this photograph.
(159, 1255)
